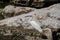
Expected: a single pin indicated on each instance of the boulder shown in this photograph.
(44, 21)
(10, 11)
(22, 10)
(47, 18)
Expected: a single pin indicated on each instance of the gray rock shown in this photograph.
(46, 16)
(46, 19)
(10, 11)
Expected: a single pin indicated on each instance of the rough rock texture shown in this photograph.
(10, 11)
(47, 18)
(34, 3)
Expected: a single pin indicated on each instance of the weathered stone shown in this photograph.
(46, 18)
(10, 11)
(48, 33)
(37, 15)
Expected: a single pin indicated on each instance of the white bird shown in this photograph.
(35, 26)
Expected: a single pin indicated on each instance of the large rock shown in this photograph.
(46, 16)
(46, 19)
(10, 11)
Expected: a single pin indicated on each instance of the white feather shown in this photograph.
(36, 26)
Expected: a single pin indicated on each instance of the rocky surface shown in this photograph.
(46, 16)
(10, 11)
(48, 20)
(34, 3)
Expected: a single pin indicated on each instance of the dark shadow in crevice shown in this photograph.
(49, 3)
